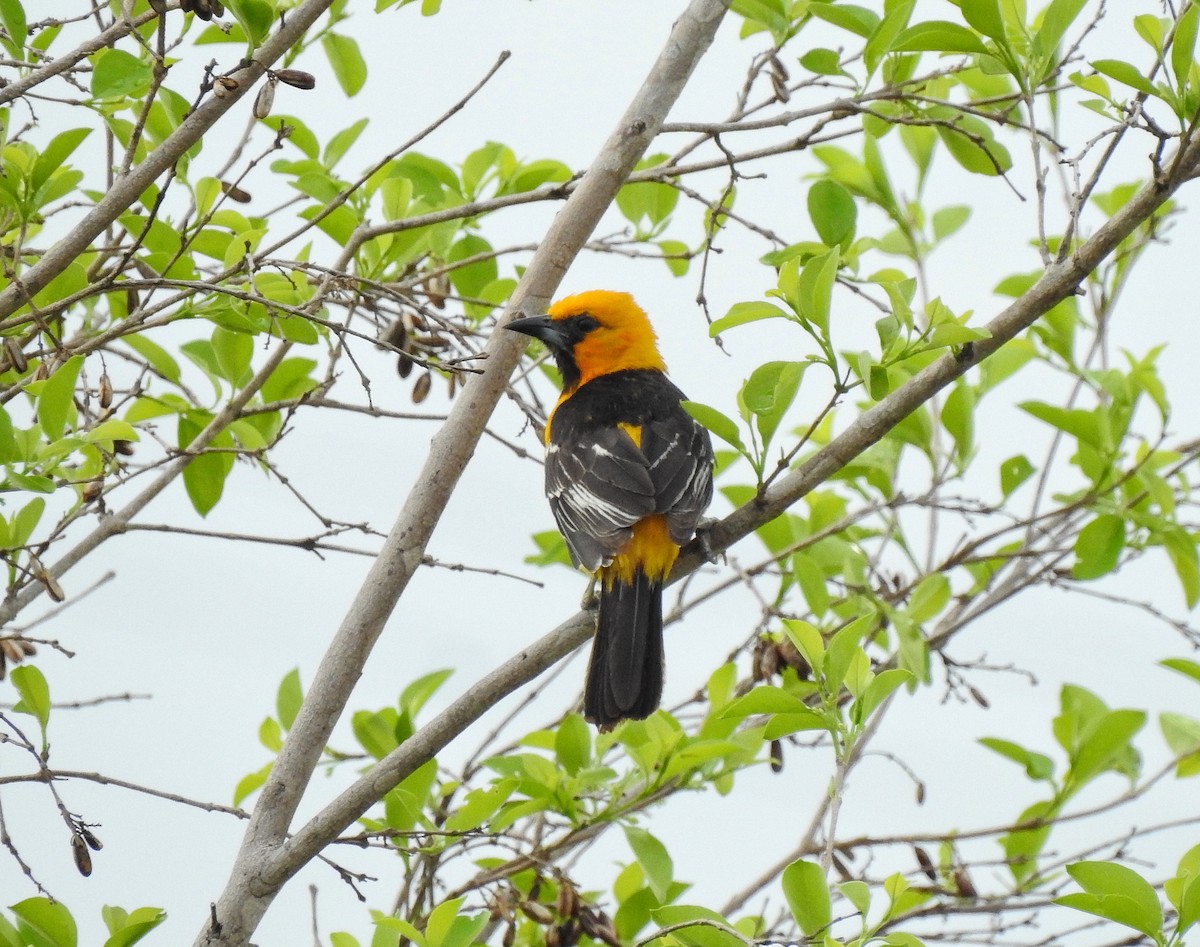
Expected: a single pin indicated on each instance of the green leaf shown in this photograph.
(1124, 73)
(155, 355)
(652, 855)
(12, 18)
(50, 919)
(135, 925)
(250, 784)
(1038, 766)
(1183, 49)
(347, 62)
(1014, 472)
(833, 212)
(1182, 735)
(51, 158)
(25, 522)
(1184, 889)
(573, 744)
(719, 424)
(255, 16)
(233, 351)
(854, 19)
(769, 392)
(984, 16)
(288, 698)
(948, 220)
(1098, 547)
(1118, 894)
(743, 312)
(342, 142)
(118, 74)
(929, 597)
(938, 36)
(807, 895)
(1181, 550)
(1183, 666)
(971, 143)
(56, 403)
(1056, 20)
(35, 693)
(415, 695)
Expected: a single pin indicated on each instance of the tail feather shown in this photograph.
(625, 674)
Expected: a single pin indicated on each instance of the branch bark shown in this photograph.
(265, 860)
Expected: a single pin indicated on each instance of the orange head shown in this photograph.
(595, 333)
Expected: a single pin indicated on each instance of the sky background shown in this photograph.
(208, 628)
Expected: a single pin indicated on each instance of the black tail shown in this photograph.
(625, 674)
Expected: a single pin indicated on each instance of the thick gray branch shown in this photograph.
(263, 863)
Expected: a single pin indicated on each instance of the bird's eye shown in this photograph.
(587, 323)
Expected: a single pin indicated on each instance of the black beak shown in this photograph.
(543, 328)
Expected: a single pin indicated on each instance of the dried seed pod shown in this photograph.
(296, 78)
(977, 696)
(552, 938)
(776, 756)
(224, 86)
(963, 886)
(104, 391)
(420, 389)
(537, 912)
(53, 589)
(266, 98)
(83, 858)
(452, 379)
(792, 657)
(42, 372)
(187, 6)
(510, 935)
(92, 490)
(437, 288)
(396, 335)
(11, 650)
(235, 193)
(15, 353)
(926, 863)
(27, 648)
(920, 793)
(567, 903)
(92, 842)
(124, 448)
(160, 6)
(764, 661)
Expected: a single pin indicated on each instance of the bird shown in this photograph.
(629, 474)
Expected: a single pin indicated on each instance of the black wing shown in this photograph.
(600, 482)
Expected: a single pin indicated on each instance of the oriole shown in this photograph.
(628, 475)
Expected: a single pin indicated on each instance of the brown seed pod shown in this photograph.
(510, 935)
(160, 6)
(53, 589)
(92, 842)
(83, 858)
(27, 648)
(11, 650)
(266, 98)
(437, 288)
(764, 661)
(926, 863)
(296, 78)
(776, 756)
(537, 912)
(92, 490)
(124, 448)
(452, 379)
(15, 353)
(792, 657)
(187, 6)
(977, 696)
(964, 887)
(567, 903)
(104, 391)
(420, 388)
(224, 86)
(235, 193)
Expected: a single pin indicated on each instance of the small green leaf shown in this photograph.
(807, 895)
(1098, 547)
(56, 403)
(118, 74)
(1118, 894)
(12, 17)
(1014, 472)
(719, 424)
(288, 698)
(833, 212)
(347, 62)
(1124, 73)
(938, 36)
(31, 684)
(652, 855)
(573, 744)
(50, 919)
(984, 16)
(743, 312)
